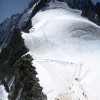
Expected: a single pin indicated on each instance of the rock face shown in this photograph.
(26, 86)
(12, 47)
(6, 29)
(10, 54)
(97, 8)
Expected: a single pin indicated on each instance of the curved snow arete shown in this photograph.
(66, 52)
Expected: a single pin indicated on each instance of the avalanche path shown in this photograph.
(66, 52)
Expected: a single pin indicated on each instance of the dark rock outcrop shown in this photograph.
(10, 54)
(97, 10)
(26, 86)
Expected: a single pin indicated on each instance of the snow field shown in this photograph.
(66, 52)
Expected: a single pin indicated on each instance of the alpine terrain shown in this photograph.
(51, 51)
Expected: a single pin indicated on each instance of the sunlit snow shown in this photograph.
(3, 93)
(66, 52)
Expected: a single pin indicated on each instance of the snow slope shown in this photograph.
(3, 93)
(66, 52)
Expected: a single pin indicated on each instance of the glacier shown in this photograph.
(66, 52)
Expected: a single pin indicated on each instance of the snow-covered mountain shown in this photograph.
(65, 48)
(60, 42)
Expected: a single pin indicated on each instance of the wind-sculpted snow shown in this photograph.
(66, 52)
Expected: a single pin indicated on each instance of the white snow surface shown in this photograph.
(3, 93)
(66, 52)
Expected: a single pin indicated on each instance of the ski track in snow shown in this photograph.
(66, 52)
